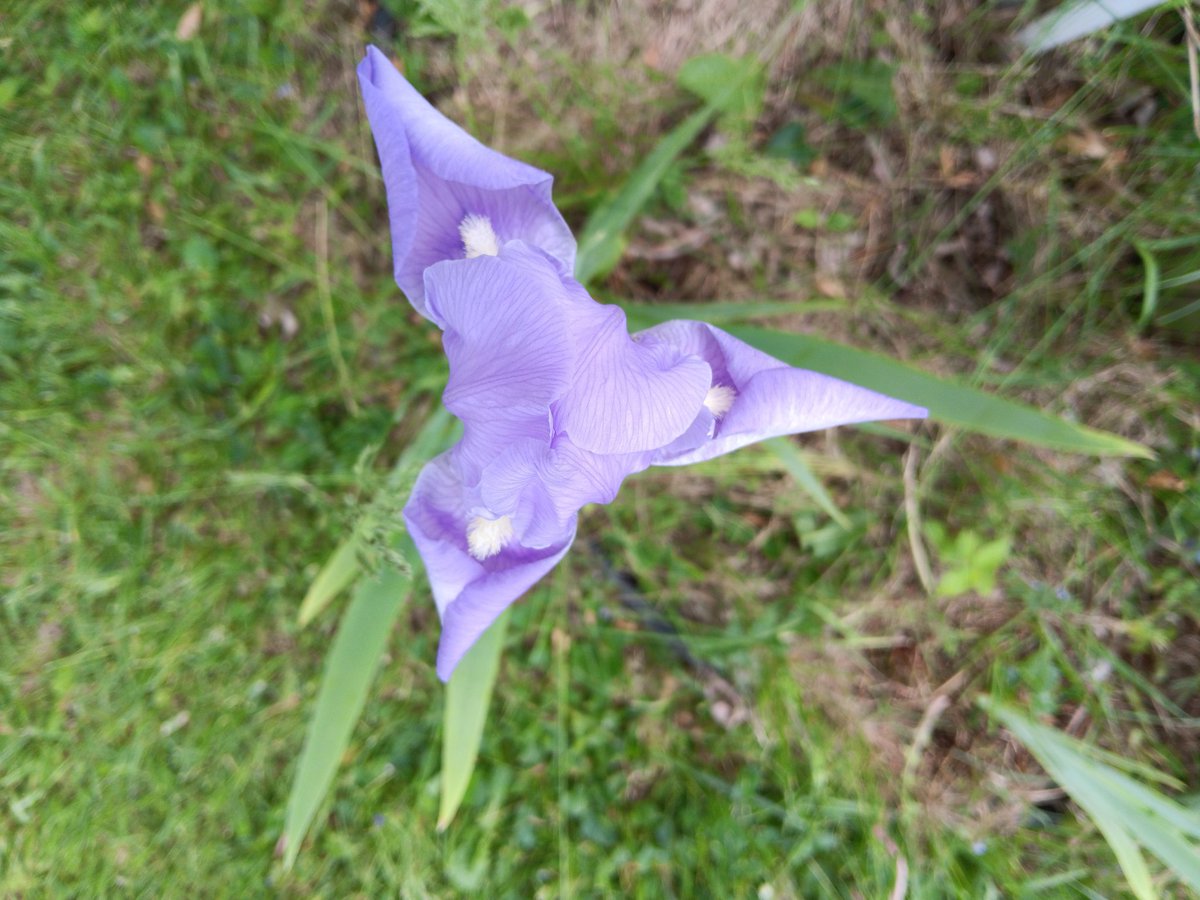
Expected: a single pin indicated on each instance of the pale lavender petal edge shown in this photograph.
(627, 397)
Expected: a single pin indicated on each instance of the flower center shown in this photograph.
(719, 399)
(478, 236)
(486, 537)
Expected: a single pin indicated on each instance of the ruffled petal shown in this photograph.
(436, 516)
(627, 397)
(469, 593)
(699, 433)
(514, 484)
(577, 477)
(436, 175)
(732, 361)
(507, 334)
(483, 438)
(542, 488)
(771, 397)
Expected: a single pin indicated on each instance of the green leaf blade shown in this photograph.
(1127, 813)
(1071, 20)
(725, 84)
(602, 240)
(1151, 282)
(343, 566)
(954, 404)
(349, 670)
(335, 576)
(468, 696)
(647, 314)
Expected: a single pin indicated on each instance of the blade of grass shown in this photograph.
(335, 576)
(1129, 857)
(1182, 313)
(1106, 818)
(1076, 20)
(603, 237)
(954, 404)
(805, 478)
(349, 671)
(1137, 794)
(1157, 833)
(1181, 280)
(1149, 286)
(468, 696)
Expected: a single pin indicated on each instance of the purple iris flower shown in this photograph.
(559, 404)
(446, 190)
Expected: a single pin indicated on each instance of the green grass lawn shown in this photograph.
(206, 372)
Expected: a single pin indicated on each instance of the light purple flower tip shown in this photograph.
(449, 196)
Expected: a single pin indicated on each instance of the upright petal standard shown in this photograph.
(559, 404)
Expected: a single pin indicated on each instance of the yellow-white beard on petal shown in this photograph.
(478, 236)
(719, 399)
(487, 537)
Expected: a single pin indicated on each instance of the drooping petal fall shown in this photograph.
(470, 593)
(769, 397)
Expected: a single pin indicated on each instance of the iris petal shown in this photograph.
(470, 593)
(507, 335)
(772, 397)
(484, 438)
(627, 397)
(436, 174)
(483, 600)
(543, 487)
(436, 516)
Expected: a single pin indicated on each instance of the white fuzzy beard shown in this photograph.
(478, 236)
(719, 399)
(487, 537)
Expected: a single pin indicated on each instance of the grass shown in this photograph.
(206, 370)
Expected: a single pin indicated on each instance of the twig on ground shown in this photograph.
(912, 513)
(924, 732)
(900, 888)
(1192, 42)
